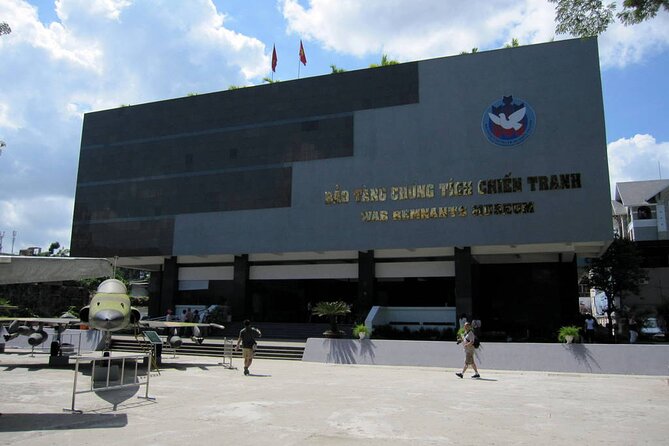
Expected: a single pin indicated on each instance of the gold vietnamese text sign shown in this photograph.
(451, 189)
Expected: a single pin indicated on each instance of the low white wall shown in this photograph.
(417, 317)
(83, 341)
(627, 359)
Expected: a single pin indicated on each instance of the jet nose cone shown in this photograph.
(108, 319)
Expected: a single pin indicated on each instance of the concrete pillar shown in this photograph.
(169, 285)
(366, 279)
(155, 300)
(464, 299)
(241, 305)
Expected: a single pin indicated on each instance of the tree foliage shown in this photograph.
(53, 247)
(514, 43)
(474, 50)
(336, 69)
(637, 11)
(56, 250)
(338, 308)
(385, 61)
(331, 310)
(616, 272)
(4, 28)
(586, 18)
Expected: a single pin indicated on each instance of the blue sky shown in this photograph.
(68, 57)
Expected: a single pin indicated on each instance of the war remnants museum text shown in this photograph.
(450, 189)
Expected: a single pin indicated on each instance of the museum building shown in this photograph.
(477, 181)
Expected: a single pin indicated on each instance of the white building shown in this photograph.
(640, 214)
(640, 210)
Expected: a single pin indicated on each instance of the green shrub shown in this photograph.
(360, 328)
(568, 330)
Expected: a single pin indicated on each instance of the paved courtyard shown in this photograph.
(198, 401)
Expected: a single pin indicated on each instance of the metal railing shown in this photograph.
(107, 377)
(227, 353)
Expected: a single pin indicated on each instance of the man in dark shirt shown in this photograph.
(247, 337)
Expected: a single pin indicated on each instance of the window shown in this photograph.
(644, 213)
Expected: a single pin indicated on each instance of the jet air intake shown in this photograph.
(108, 319)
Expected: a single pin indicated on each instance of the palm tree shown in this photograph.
(332, 310)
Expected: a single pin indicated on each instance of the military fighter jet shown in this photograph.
(110, 311)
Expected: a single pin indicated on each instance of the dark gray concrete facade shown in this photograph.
(364, 168)
(438, 141)
(209, 178)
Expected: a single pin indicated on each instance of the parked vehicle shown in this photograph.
(650, 329)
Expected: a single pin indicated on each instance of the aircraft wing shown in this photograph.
(33, 327)
(43, 320)
(174, 324)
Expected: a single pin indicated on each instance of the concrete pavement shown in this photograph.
(198, 401)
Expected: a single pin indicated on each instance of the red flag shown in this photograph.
(303, 57)
(274, 59)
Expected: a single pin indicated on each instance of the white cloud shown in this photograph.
(38, 221)
(107, 9)
(6, 120)
(98, 54)
(431, 28)
(623, 45)
(638, 158)
(425, 29)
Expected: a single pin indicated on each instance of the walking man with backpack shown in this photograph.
(247, 337)
(468, 340)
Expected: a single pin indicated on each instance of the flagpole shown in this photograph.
(298, 68)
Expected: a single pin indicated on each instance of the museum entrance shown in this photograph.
(288, 300)
(416, 292)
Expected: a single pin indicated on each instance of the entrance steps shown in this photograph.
(279, 340)
(214, 347)
(284, 330)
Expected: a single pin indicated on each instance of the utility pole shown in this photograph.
(13, 239)
(2, 235)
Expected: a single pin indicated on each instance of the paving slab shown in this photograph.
(198, 401)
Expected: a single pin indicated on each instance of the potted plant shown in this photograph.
(331, 310)
(568, 333)
(360, 331)
(460, 335)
